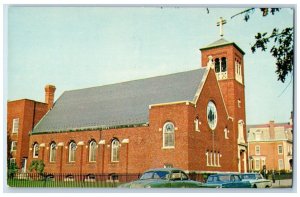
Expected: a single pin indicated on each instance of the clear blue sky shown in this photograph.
(80, 47)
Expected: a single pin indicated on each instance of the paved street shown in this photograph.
(286, 183)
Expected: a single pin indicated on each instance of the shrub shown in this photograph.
(37, 165)
(12, 169)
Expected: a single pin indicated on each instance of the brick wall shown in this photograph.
(29, 113)
(145, 148)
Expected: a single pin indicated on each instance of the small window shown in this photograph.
(257, 150)
(53, 152)
(257, 164)
(92, 151)
(35, 150)
(280, 151)
(72, 151)
(223, 64)
(217, 65)
(115, 150)
(15, 128)
(12, 161)
(13, 146)
(169, 135)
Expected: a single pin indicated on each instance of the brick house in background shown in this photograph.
(194, 120)
(270, 145)
(22, 116)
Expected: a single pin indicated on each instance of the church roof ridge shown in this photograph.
(133, 80)
(125, 103)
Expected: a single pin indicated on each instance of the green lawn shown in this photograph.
(50, 183)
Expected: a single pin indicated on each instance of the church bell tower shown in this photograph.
(229, 70)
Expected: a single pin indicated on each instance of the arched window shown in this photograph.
(223, 64)
(169, 135)
(92, 151)
(72, 151)
(115, 150)
(53, 152)
(35, 150)
(217, 65)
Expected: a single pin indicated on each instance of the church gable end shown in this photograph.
(210, 142)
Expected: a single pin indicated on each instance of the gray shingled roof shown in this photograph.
(219, 42)
(124, 103)
(222, 42)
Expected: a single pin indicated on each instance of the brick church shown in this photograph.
(193, 120)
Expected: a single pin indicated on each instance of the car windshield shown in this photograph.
(223, 178)
(250, 176)
(155, 175)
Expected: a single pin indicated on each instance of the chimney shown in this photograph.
(272, 129)
(291, 118)
(49, 95)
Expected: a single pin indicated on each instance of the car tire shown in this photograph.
(254, 186)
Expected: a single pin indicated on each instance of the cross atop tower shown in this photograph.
(220, 23)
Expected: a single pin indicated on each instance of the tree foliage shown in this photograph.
(282, 42)
(37, 165)
(12, 168)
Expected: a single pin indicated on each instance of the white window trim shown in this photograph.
(90, 151)
(12, 159)
(13, 144)
(257, 146)
(281, 149)
(255, 166)
(112, 159)
(15, 127)
(71, 152)
(36, 145)
(168, 147)
(51, 159)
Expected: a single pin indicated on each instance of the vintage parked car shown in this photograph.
(256, 180)
(164, 178)
(227, 180)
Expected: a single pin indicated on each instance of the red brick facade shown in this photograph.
(145, 149)
(270, 145)
(141, 147)
(29, 113)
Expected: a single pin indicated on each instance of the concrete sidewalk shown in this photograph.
(285, 183)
